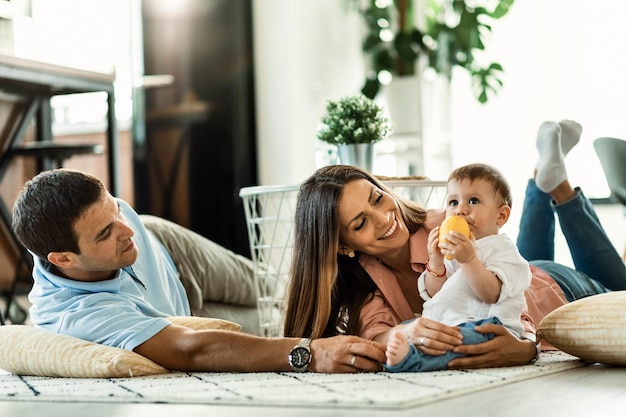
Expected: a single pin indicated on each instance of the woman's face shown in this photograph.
(369, 220)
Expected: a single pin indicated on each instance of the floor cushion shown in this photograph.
(29, 350)
(592, 328)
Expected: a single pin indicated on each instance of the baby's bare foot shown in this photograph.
(397, 348)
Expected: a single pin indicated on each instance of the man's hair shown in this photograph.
(49, 205)
(486, 173)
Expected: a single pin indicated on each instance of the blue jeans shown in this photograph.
(599, 268)
(417, 361)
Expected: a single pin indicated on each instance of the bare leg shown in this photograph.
(563, 192)
(397, 348)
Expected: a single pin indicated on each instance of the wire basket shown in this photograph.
(270, 211)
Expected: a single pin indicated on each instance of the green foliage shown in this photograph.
(353, 119)
(455, 30)
(398, 52)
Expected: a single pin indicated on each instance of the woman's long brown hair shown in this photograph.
(327, 290)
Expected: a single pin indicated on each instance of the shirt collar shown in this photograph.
(110, 285)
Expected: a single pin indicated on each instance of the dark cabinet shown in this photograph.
(199, 144)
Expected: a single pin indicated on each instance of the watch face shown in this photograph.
(299, 357)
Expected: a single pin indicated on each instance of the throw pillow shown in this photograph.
(29, 350)
(592, 328)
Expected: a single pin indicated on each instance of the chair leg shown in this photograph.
(16, 313)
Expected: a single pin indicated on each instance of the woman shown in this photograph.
(359, 250)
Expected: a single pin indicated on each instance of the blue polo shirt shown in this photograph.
(123, 311)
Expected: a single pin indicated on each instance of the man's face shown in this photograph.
(105, 242)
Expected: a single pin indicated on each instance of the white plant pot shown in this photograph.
(360, 155)
(404, 102)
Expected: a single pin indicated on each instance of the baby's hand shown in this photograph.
(451, 224)
(434, 253)
(459, 247)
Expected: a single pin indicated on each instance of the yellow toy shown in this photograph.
(456, 223)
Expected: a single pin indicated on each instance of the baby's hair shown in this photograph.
(486, 173)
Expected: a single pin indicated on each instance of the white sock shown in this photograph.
(570, 135)
(551, 165)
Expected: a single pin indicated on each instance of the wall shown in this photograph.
(305, 52)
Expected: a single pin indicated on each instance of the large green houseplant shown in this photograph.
(354, 123)
(454, 31)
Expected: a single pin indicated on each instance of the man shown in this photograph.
(101, 275)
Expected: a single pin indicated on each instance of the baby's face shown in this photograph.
(478, 204)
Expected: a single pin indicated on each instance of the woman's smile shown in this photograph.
(391, 232)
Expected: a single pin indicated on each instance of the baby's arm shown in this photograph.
(436, 274)
(485, 284)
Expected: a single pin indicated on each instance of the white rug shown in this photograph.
(365, 390)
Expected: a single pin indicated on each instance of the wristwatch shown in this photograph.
(300, 356)
(537, 349)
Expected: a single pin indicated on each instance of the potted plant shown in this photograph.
(354, 124)
(454, 31)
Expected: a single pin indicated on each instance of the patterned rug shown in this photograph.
(366, 390)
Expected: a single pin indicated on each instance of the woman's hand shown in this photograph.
(346, 354)
(431, 337)
(503, 350)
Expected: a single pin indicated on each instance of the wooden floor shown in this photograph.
(594, 390)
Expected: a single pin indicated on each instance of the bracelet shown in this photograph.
(437, 275)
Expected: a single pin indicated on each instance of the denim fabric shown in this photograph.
(599, 267)
(417, 361)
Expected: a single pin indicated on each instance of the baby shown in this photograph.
(468, 281)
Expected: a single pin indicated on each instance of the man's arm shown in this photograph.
(183, 349)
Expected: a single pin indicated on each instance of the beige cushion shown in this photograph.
(28, 350)
(593, 328)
